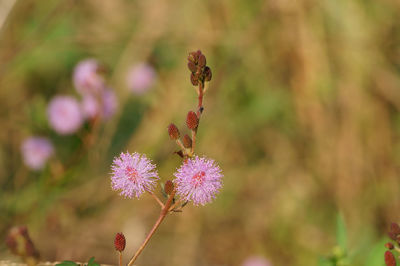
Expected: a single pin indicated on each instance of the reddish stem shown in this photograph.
(162, 216)
(199, 111)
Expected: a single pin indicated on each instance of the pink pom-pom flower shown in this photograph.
(133, 174)
(198, 180)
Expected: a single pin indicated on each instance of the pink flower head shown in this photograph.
(104, 107)
(64, 114)
(140, 78)
(133, 174)
(86, 77)
(36, 151)
(198, 180)
(256, 261)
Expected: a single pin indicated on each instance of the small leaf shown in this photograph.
(67, 263)
(92, 262)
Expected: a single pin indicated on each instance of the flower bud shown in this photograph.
(173, 131)
(194, 78)
(168, 187)
(389, 259)
(192, 121)
(119, 242)
(187, 141)
(395, 228)
(389, 245)
(202, 61)
(207, 74)
(192, 66)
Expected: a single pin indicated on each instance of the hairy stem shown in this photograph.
(162, 216)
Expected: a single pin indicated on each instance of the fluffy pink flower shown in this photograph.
(256, 261)
(133, 174)
(198, 180)
(140, 78)
(36, 151)
(86, 77)
(64, 114)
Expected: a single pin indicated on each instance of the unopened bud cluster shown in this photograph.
(197, 65)
(394, 234)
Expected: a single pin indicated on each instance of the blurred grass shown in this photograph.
(302, 114)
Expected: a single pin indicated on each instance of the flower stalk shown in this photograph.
(162, 216)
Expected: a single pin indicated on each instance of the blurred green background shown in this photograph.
(302, 114)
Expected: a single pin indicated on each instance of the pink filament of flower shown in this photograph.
(132, 174)
(198, 178)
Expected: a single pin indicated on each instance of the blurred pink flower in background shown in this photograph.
(140, 78)
(256, 261)
(105, 106)
(86, 77)
(36, 151)
(64, 114)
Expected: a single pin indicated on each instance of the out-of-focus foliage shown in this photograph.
(302, 115)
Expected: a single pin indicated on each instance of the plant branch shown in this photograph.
(156, 198)
(198, 113)
(162, 216)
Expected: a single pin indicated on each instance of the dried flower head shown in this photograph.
(86, 77)
(36, 151)
(198, 180)
(133, 174)
(192, 121)
(64, 114)
(119, 242)
(173, 131)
